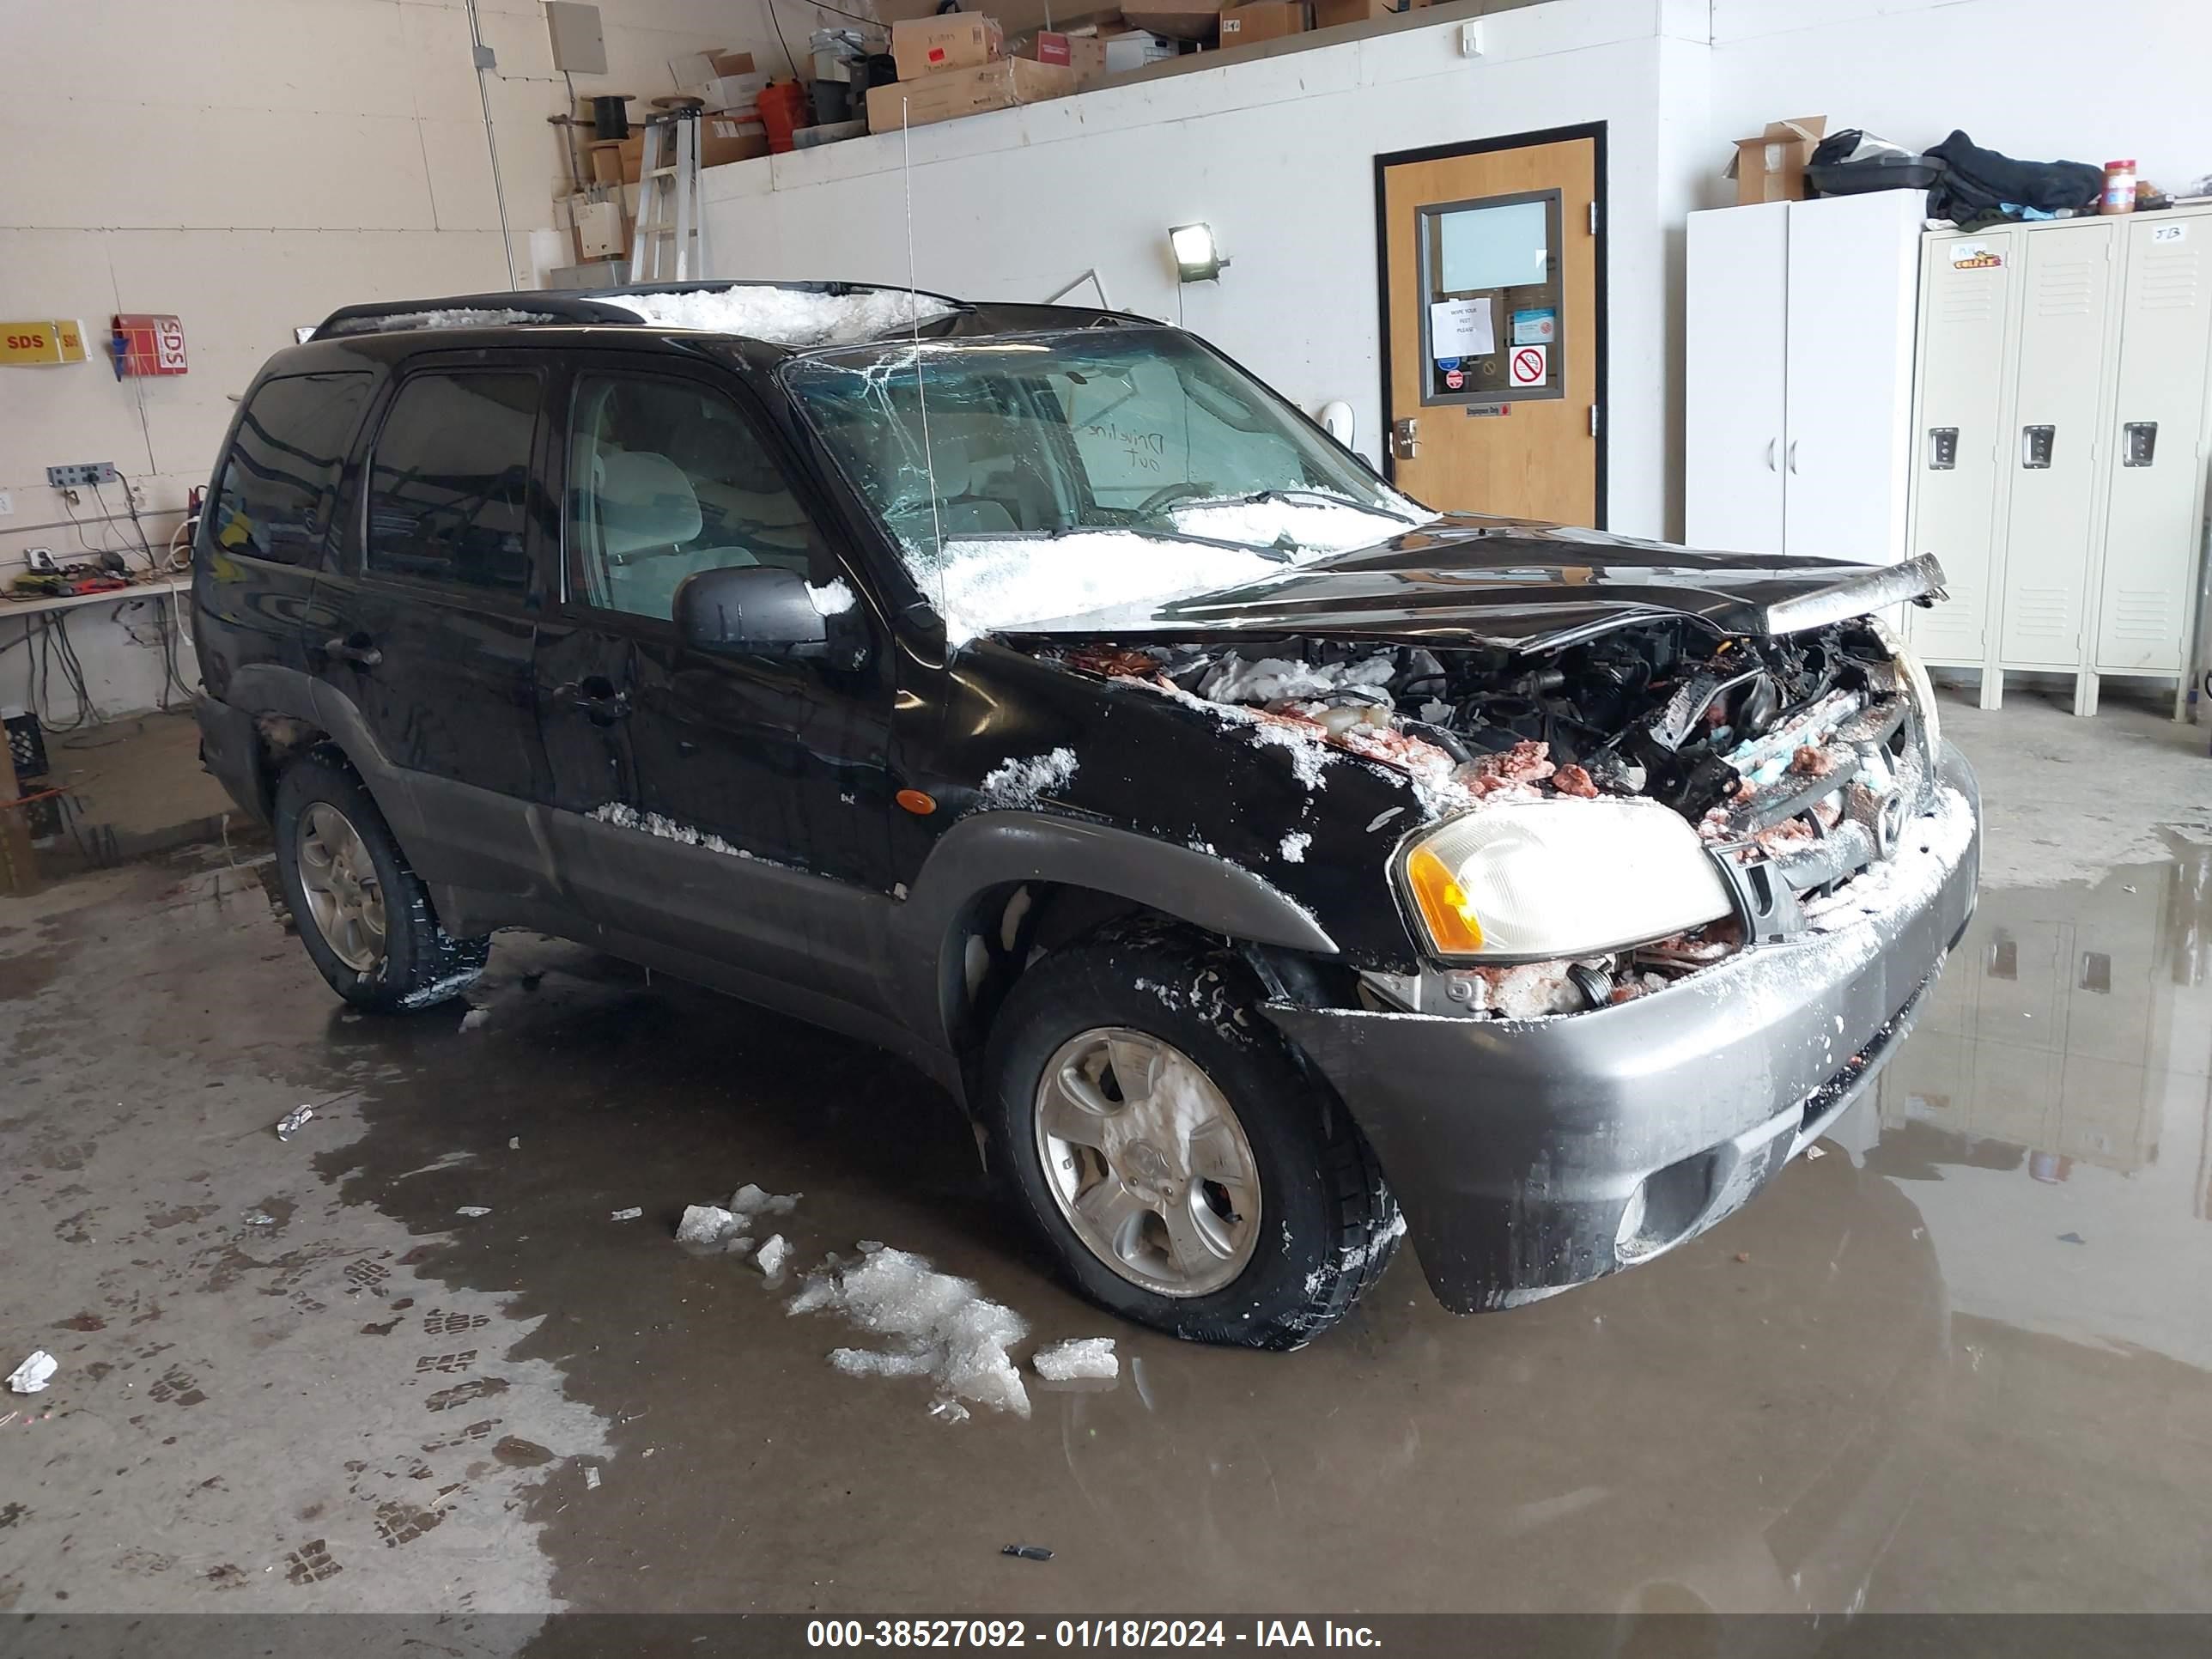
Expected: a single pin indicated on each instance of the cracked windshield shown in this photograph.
(1087, 475)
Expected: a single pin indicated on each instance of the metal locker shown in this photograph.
(1965, 285)
(2050, 450)
(2155, 472)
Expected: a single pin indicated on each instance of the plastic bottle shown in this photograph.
(2119, 188)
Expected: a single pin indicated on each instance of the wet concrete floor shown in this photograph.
(1962, 1361)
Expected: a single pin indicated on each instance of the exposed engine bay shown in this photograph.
(1803, 750)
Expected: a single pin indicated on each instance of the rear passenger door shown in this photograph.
(750, 794)
(427, 628)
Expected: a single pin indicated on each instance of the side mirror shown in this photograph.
(763, 611)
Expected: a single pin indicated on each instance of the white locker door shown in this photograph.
(2155, 473)
(1737, 349)
(1854, 284)
(2050, 453)
(1965, 284)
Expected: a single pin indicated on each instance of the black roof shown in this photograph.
(570, 307)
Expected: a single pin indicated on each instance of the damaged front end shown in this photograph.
(1676, 895)
(1729, 788)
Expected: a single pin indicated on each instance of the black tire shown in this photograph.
(1328, 1224)
(421, 964)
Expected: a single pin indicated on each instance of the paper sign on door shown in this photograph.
(1530, 365)
(1460, 328)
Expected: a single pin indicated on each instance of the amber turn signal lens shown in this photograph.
(916, 803)
(1453, 926)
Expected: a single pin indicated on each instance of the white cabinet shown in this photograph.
(2058, 461)
(1797, 396)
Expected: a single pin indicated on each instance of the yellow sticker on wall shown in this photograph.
(48, 340)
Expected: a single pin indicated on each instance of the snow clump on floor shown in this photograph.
(940, 1327)
(1078, 1358)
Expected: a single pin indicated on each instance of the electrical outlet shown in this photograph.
(81, 473)
(7, 505)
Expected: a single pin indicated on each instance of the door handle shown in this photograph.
(1793, 458)
(1771, 443)
(596, 699)
(356, 649)
(1406, 439)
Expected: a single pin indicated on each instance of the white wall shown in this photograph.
(1277, 156)
(1277, 153)
(250, 166)
(2042, 80)
(276, 158)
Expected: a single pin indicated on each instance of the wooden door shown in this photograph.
(1494, 347)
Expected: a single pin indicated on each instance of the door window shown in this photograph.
(665, 478)
(449, 489)
(1491, 319)
(281, 480)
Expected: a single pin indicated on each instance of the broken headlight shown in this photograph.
(1915, 677)
(1535, 880)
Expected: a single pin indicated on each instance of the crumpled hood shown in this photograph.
(1521, 585)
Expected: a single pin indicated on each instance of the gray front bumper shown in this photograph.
(1534, 1155)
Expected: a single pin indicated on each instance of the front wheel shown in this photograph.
(363, 915)
(1185, 1170)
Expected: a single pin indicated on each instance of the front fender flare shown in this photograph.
(1005, 848)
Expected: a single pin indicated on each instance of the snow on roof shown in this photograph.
(786, 316)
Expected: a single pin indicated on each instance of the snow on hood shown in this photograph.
(1104, 579)
(786, 316)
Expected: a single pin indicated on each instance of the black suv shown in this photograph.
(1032, 692)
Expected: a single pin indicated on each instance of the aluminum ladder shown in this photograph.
(669, 242)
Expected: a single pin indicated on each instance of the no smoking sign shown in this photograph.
(1529, 365)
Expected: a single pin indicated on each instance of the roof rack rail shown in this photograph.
(592, 306)
(492, 309)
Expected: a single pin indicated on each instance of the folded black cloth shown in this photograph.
(1978, 182)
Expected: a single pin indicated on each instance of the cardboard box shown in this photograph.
(1017, 17)
(618, 161)
(1084, 53)
(1134, 49)
(957, 40)
(691, 67)
(1330, 14)
(724, 138)
(730, 91)
(1771, 168)
(952, 92)
(1178, 19)
(1262, 20)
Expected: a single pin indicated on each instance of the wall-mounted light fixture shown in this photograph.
(1197, 255)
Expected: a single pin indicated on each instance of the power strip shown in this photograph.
(77, 476)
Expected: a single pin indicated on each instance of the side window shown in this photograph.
(667, 477)
(281, 484)
(449, 485)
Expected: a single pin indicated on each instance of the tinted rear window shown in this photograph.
(280, 488)
(449, 487)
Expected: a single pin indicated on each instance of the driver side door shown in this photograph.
(731, 808)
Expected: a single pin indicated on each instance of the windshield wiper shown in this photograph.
(1276, 551)
(1260, 496)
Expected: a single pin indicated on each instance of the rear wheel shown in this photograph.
(364, 915)
(1184, 1169)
